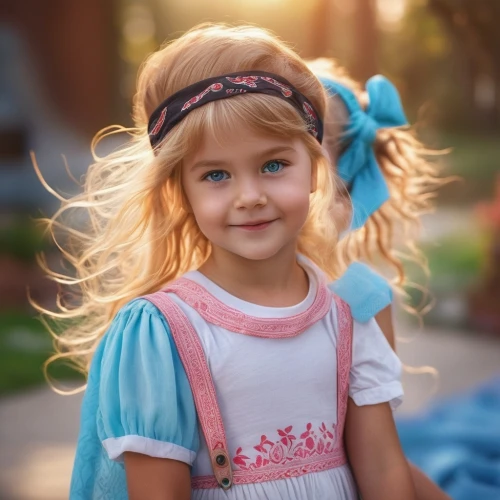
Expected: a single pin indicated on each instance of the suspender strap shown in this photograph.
(344, 360)
(205, 399)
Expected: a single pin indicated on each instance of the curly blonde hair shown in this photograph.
(390, 235)
(139, 236)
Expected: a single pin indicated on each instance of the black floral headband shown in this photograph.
(171, 111)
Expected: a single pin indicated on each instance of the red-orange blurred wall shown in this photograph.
(71, 42)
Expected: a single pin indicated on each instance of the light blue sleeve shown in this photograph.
(145, 400)
(366, 292)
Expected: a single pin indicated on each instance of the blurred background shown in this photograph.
(68, 68)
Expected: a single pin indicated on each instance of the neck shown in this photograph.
(276, 282)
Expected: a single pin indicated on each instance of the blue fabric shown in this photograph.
(366, 292)
(457, 443)
(357, 165)
(136, 386)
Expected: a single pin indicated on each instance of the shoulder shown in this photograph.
(140, 339)
(139, 336)
(140, 398)
(364, 290)
(139, 306)
(139, 311)
(137, 323)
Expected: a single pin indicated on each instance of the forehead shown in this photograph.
(239, 143)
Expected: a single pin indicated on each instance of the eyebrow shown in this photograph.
(260, 155)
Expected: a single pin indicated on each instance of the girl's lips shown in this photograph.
(255, 227)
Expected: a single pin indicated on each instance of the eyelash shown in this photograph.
(208, 174)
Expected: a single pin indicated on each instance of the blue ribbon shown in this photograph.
(357, 166)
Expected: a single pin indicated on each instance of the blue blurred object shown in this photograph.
(366, 292)
(357, 164)
(457, 443)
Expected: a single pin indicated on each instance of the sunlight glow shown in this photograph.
(139, 25)
(391, 12)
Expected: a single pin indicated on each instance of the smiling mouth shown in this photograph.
(254, 226)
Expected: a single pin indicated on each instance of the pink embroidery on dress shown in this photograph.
(271, 473)
(288, 447)
(216, 312)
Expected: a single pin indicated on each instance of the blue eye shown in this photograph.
(216, 176)
(273, 166)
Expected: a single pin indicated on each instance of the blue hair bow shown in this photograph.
(357, 165)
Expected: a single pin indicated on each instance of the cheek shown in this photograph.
(209, 208)
(199, 198)
(295, 200)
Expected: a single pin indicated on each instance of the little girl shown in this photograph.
(386, 179)
(385, 184)
(222, 366)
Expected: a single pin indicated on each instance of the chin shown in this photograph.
(257, 253)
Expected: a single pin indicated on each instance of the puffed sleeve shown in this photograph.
(145, 401)
(375, 375)
(366, 292)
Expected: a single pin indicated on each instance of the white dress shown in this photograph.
(271, 386)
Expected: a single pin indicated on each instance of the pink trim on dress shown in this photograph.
(271, 473)
(194, 362)
(310, 456)
(344, 360)
(216, 312)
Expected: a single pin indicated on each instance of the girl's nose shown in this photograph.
(249, 195)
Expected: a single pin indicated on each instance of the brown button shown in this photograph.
(220, 460)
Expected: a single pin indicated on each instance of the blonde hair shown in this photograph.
(139, 235)
(411, 177)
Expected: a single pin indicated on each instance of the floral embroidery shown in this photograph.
(288, 448)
